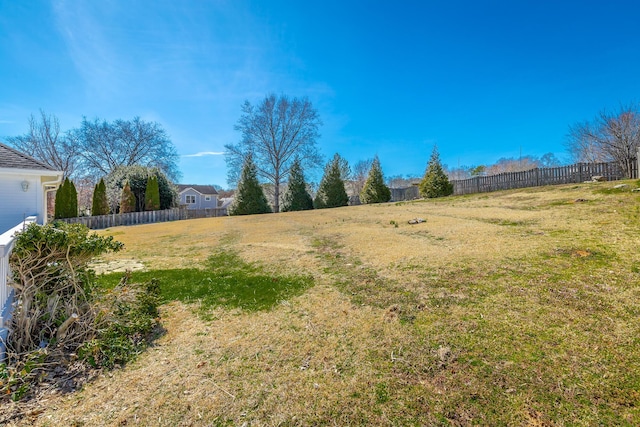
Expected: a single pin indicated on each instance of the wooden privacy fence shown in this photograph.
(206, 213)
(578, 172)
(409, 193)
(147, 217)
(131, 218)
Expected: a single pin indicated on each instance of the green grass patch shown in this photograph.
(225, 281)
(618, 187)
(506, 222)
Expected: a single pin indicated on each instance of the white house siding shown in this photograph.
(201, 202)
(16, 204)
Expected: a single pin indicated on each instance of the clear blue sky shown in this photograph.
(481, 79)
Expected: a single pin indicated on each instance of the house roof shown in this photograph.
(202, 189)
(225, 202)
(13, 159)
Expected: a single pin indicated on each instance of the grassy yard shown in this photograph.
(511, 308)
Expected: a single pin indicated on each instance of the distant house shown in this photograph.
(198, 196)
(224, 205)
(24, 184)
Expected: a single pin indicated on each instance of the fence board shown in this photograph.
(131, 218)
(147, 217)
(575, 173)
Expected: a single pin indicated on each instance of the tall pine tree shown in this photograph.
(375, 190)
(331, 192)
(127, 200)
(100, 205)
(152, 194)
(249, 198)
(435, 182)
(297, 197)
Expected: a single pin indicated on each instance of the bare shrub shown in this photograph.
(56, 308)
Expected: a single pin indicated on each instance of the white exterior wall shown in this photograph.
(16, 204)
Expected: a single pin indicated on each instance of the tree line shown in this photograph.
(278, 143)
(148, 189)
(331, 193)
(114, 158)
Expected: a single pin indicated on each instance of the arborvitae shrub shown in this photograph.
(152, 195)
(128, 200)
(66, 200)
(100, 205)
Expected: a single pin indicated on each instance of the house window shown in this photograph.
(190, 199)
(207, 198)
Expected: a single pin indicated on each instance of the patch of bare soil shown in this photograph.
(116, 265)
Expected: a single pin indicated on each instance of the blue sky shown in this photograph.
(481, 79)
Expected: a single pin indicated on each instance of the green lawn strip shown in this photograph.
(225, 281)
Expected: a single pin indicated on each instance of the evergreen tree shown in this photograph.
(66, 200)
(375, 190)
(249, 197)
(100, 205)
(137, 177)
(73, 200)
(152, 195)
(297, 197)
(435, 182)
(61, 200)
(128, 199)
(331, 192)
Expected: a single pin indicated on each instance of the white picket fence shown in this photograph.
(7, 240)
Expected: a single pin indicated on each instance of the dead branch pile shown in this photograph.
(55, 310)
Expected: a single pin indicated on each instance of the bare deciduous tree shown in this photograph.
(513, 165)
(106, 146)
(611, 136)
(46, 143)
(462, 172)
(274, 132)
(360, 174)
(582, 146)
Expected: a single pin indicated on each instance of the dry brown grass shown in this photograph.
(510, 308)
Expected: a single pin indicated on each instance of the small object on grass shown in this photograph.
(416, 221)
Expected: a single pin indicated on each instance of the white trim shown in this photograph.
(47, 187)
(39, 172)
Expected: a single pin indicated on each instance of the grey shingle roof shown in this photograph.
(13, 159)
(202, 189)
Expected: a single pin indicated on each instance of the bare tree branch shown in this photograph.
(46, 143)
(611, 136)
(274, 133)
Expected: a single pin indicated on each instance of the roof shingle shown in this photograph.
(202, 189)
(13, 159)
